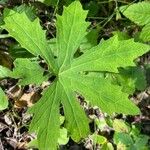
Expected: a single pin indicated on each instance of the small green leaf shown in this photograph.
(130, 78)
(98, 139)
(137, 12)
(107, 146)
(120, 126)
(145, 33)
(89, 40)
(133, 78)
(3, 100)
(101, 123)
(5, 72)
(28, 72)
(121, 35)
(123, 138)
(63, 139)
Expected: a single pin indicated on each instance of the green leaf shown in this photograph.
(76, 120)
(98, 139)
(123, 138)
(89, 40)
(130, 78)
(141, 142)
(28, 72)
(145, 33)
(138, 12)
(121, 35)
(46, 121)
(107, 146)
(63, 139)
(16, 51)
(120, 126)
(133, 78)
(101, 123)
(73, 75)
(5, 72)
(29, 34)
(29, 10)
(110, 55)
(71, 29)
(99, 91)
(3, 100)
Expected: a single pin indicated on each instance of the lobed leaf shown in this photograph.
(46, 120)
(29, 34)
(76, 120)
(71, 29)
(73, 75)
(110, 55)
(100, 92)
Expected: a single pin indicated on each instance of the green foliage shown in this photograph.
(4, 72)
(145, 33)
(30, 36)
(128, 137)
(2, 2)
(73, 75)
(130, 79)
(16, 51)
(28, 72)
(98, 139)
(120, 126)
(140, 14)
(89, 40)
(3, 100)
